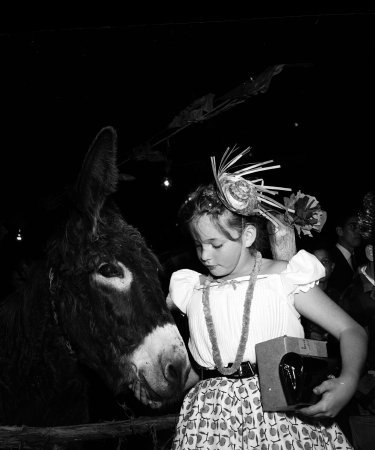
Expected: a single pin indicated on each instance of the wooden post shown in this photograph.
(57, 437)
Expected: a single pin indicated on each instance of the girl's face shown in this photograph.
(224, 258)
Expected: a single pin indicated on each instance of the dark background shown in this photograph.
(61, 81)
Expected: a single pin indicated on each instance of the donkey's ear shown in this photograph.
(99, 174)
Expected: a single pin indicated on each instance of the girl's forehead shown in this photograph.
(207, 227)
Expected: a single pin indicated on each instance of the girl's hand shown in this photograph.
(336, 393)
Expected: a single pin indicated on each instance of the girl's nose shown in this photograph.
(205, 255)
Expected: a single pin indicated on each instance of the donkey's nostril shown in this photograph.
(177, 373)
(172, 373)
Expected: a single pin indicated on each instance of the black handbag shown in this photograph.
(299, 374)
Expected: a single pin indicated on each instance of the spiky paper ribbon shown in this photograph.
(244, 196)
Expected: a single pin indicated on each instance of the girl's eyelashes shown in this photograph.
(215, 246)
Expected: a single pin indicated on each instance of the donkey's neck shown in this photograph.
(27, 316)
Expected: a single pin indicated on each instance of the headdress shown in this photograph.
(366, 218)
(251, 196)
(366, 222)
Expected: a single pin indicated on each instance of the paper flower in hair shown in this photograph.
(366, 217)
(246, 196)
(308, 215)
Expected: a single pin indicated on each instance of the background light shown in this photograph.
(166, 183)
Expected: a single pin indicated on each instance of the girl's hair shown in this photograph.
(205, 200)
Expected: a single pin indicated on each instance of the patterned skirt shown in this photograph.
(221, 413)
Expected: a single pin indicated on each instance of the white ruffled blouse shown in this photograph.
(272, 312)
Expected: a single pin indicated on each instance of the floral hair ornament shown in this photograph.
(244, 196)
(307, 216)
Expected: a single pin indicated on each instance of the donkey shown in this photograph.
(94, 301)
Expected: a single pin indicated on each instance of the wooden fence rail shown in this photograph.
(28, 437)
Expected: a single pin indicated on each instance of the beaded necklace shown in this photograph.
(245, 320)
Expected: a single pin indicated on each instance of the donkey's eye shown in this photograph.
(110, 271)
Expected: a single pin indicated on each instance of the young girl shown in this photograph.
(248, 299)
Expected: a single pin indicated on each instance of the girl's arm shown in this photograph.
(316, 306)
(170, 304)
(193, 377)
(192, 380)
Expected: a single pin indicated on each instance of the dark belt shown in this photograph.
(246, 369)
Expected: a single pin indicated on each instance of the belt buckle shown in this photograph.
(249, 369)
(240, 371)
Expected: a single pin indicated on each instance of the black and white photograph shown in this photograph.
(186, 229)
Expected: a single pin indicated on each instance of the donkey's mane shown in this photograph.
(21, 310)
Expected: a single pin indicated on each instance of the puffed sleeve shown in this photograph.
(181, 288)
(302, 272)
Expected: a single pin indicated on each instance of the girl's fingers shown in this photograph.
(324, 387)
